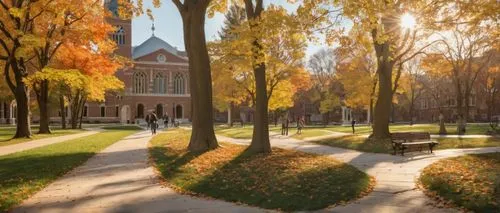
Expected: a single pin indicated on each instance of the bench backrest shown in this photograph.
(410, 136)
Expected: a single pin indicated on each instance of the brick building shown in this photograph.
(157, 81)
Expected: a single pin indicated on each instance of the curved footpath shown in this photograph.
(120, 179)
(395, 190)
(5, 150)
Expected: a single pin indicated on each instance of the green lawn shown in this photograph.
(6, 134)
(313, 131)
(471, 182)
(366, 145)
(284, 180)
(24, 173)
(472, 129)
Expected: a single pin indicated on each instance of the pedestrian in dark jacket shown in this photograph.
(154, 122)
(147, 120)
(165, 120)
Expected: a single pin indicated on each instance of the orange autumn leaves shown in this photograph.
(285, 180)
(469, 181)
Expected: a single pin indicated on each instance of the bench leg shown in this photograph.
(395, 147)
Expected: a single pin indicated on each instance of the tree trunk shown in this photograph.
(412, 103)
(82, 107)
(43, 104)
(229, 117)
(202, 135)
(326, 119)
(63, 111)
(411, 111)
(23, 128)
(384, 101)
(460, 111)
(372, 98)
(20, 91)
(393, 111)
(491, 105)
(260, 139)
(75, 110)
(442, 127)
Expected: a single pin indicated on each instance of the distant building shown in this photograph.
(158, 80)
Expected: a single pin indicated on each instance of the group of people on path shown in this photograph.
(152, 122)
(285, 122)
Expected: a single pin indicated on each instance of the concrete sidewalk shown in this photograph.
(395, 190)
(5, 150)
(120, 179)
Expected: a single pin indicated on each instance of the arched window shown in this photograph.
(159, 110)
(159, 84)
(85, 110)
(140, 83)
(102, 110)
(178, 112)
(119, 36)
(179, 87)
(140, 111)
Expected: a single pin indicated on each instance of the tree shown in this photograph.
(435, 83)
(260, 137)
(270, 23)
(468, 53)
(193, 18)
(91, 73)
(227, 90)
(413, 89)
(492, 88)
(326, 86)
(357, 70)
(32, 33)
(271, 73)
(14, 37)
(392, 44)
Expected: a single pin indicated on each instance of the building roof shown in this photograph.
(154, 44)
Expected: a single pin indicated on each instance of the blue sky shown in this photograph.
(168, 24)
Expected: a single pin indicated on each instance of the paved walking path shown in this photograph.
(120, 179)
(395, 175)
(461, 136)
(5, 150)
(340, 134)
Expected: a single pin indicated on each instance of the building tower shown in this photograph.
(123, 34)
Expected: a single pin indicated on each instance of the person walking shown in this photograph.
(353, 123)
(165, 120)
(300, 125)
(287, 123)
(154, 122)
(282, 125)
(148, 120)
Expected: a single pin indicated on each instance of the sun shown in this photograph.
(408, 21)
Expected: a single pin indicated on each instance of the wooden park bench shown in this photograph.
(403, 140)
